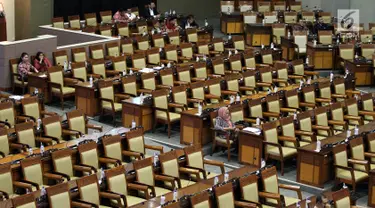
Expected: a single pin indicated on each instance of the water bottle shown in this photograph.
(70, 65)
(315, 42)
(289, 34)
(238, 98)
(275, 89)
(258, 121)
(235, 51)
(272, 45)
(41, 148)
(331, 76)
(318, 146)
(141, 97)
(86, 64)
(204, 58)
(295, 116)
(307, 60)
(264, 21)
(30, 150)
(133, 124)
(263, 163)
(199, 108)
(229, 37)
(169, 65)
(356, 130)
(309, 80)
(91, 81)
(197, 59)
(205, 22)
(102, 173)
(231, 99)
(156, 158)
(43, 191)
(348, 133)
(162, 200)
(65, 65)
(131, 72)
(269, 91)
(300, 84)
(226, 177)
(36, 91)
(356, 56)
(262, 46)
(175, 194)
(216, 180)
(229, 53)
(124, 73)
(228, 10)
(174, 12)
(344, 186)
(119, 36)
(38, 122)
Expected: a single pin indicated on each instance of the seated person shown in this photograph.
(223, 122)
(41, 63)
(172, 24)
(120, 16)
(24, 67)
(151, 11)
(189, 22)
(131, 16)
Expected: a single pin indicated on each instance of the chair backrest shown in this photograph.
(298, 67)
(139, 61)
(244, 6)
(337, 112)
(194, 157)
(60, 57)
(89, 189)
(304, 120)
(79, 71)
(238, 42)
(308, 16)
(296, 6)
(127, 46)
(180, 96)
(264, 6)
(279, 6)
(106, 16)
(346, 51)
(58, 22)
(270, 180)
(249, 60)
(279, 30)
(255, 108)
(321, 119)
(249, 188)
(236, 112)
(326, 17)
(290, 17)
(300, 38)
(59, 196)
(123, 29)
(218, 44)
(91, 19)
(270, 134)
(218, 66)
(340, 155)
(201, 200)
(25, 133)
(200, 70)
(235, 62)
(136, 141)
(227, 6)
(143, 43)
(341, 198)
(292, 98)
(52, 126)
(183, 74)
(129, 85)
(144, 172)
(270, 17)
(30, 107)
(7, 113)
(169, 164)
(367, 105)
(325, 90)
(267, 56)
(273, 103)
(55, 75)
(13, 65)
(266, 74)
(160, 100)
(250, 17)
(309, 94)
(62, 161)
(74, 22)
(116, 180)
(77, 121)
(325, 37)
(197, 90)
(174, 38)
(113, 49)
(339, 86)
(153, 56)
(113, 147)
(203, 47)
(98, 67)
(32, 169)
(6, 179)
(233, 82)
(186, 50)
(88, 154)
(24, 201)
(119, 63)
(368, 50)
(148, 81)
(106, 91)
(171, 53)
(357, 150)
(224, 196)
(79, 54)
(96, 51)
(158, 40)
(192, 35)
(142, 27)
(214, 87)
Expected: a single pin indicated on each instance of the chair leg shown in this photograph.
(62, 102)
(282, 168)
(169, 131)
(213, 147)
(114, 119)
(228, 153)
(354, 186)
(13, 88)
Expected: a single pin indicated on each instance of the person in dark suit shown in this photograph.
(151, 11)
(189, 22)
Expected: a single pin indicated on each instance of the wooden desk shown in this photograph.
(87, 99)
(288, 47)
(231, 23)
(321, 56)
(258, 34)
(250, 148)
(205, 34)
(141, 113)
(316, 168)
(40, 81)
(363, 72)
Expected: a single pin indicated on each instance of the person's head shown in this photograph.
(152, 5)
(190, 19)
(129, 11)
(173, 21)
(224, 113)
(39, 56)
(24, 57)
(121, 11)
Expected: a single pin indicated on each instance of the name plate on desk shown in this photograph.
(253, 130)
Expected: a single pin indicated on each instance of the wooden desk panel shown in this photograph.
(371, 189)
(134, 110)
(87, 99)
(3, 29)
(39, 81)
(250, 149)
(258, 34)
(363, 72)
(322, 57)
(232, 23)
(287, 45)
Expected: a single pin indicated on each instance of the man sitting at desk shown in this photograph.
(120, 16)
(151, 11)
(131, 16)
(189, 22)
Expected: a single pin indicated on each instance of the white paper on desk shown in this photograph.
(146, 70)
(16, 97)
(158, 68)
(117, 131)
(253, 130)
(43, 75)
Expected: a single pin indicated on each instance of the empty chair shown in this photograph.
(74, 22)
(60, 58)
(325, 37)
(8, 185)
(53, 129)
(225, 198)
(136, 143)
(79, 54)
(58, 22)
(106, 16)
(59, 196)
(26, 136)
(32, 109)
(77, 121)
(96, 51)
(113, 149)
(91, 19)
(60, 86)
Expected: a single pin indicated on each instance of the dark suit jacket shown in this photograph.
(184, 23)
(147, 12)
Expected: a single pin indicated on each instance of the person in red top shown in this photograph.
(121, 16)
(41, 63)
(25, 67)
(172, 25)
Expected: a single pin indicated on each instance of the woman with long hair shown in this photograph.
(24, 67)
(41, 63)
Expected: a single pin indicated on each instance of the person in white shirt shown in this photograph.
(151, 11)
(130, 15)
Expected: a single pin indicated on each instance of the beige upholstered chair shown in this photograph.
(74, 22)
(192, 35)
(59, 196)
(218, 45)
(98, 69)
(308, 97)
(158, 40)
(8, 116)
(326, 17)
(79, 71)
(306, 127)
(170, 167)
(174, 38)
(117, 184)
(63, 165)
(142, 27)
(290, 17)
(299, 70)
(153, 57)
(200, 71)
(187, 50)
(233, 85)
(60, 86)
(345, 169)
(367, 106)
(300, 40)
(239, 43)
(8, 185)
(296, 6)
(58, 22)
(142, 43)
(264, 6)
(270, 17)
(96, 51)
(180, 96)
(13, 65)
(322, 123)
(79, 54)
(136, 143)
(26, 136)
(353, 115)
(357, 150)
(162, 113)
(6, 146)
(24, 201)
(346, 52)
(139, 61)
(53, 129)
(308, 16)
(113, 49)
(288, 130)
(273, 148)
(32, 171)
(77, 122)
(325, 37)
(113, 149)
(225, 198)
(195, 160)
(146, 176)
(32, 109)
(201, 200)
(129, 86)
(91, 19)
(337, 119)
(127, 46)
(89, 192)
(324, 94)
(368, 50)
(60, 57)
(341, 198)
(123, 29)
(278, 31)
(106, 16)
(339, 90)
(271, 185)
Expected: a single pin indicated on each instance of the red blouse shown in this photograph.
(42, 67)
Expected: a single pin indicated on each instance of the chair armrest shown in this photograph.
(318, 127)
(112, 196)
(285, 81)
(180, 83)
(166, 179)
(5, 124)
(323, 100)
(358, 162)
(155, 147)
(58, 178)
(366, 113)
(163, 87)
(70, 81)
(215, 163)
(190, 171)
(335, 122)
(177, 105)
(244, 204)
(48, 113)
(112, 72)
(229, 92)
(195, 100)
(352, 92)
(71, 132)
(305, 104)
(274, 144)
(122, 96)
(96, 76)
(311, 73)
(4, 195)
(146, 91)
(107, 160)
(92, 126)
(137, 155)
(93, 169)
(269, 195)
(289, 110)
(370, 154)
(31, 183)
(304, 133)
(26, 117)
(197, 79)
(85, 202)
(61, 174)
(23, 185)
(355, 118)
(244, 88)
(287, 139)
(44, 140)
(148, 187)
(263, 84)
(271, 114)
(139, 187)
(296, 77)
(82, 168)
(18, 146)
(55, 85)
(339, 96)
(51, 137)
(210, 96)
(292, 188)
(75, 203)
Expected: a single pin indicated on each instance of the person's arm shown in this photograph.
(37, 64)
(33, 68)
(47, 62)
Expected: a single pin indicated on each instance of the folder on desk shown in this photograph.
(253, 130)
